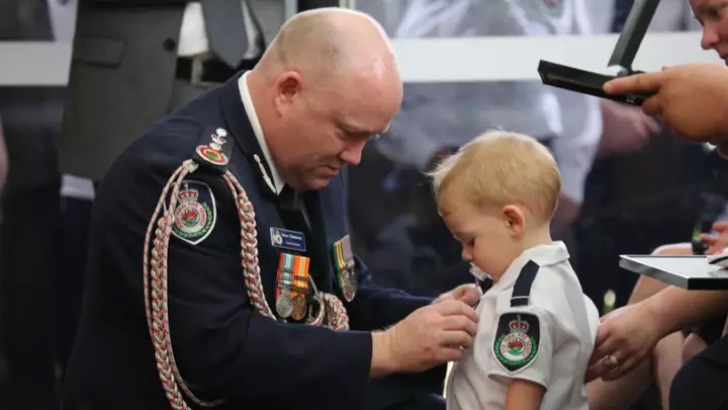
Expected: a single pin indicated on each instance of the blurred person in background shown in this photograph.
(152, 57)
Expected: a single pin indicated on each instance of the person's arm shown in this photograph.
(631, 333)
(376, 307)
(524, 395)
(676, 308)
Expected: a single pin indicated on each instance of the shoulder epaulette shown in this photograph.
(214, 149)
(522, 288)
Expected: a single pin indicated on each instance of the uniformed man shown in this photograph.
(220, 269)
(536, 331)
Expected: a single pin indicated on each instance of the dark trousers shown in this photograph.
(701, 383)
(29, 257)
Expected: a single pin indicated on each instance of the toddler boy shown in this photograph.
(536, 332)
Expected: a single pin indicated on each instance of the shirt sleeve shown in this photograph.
(522, 346)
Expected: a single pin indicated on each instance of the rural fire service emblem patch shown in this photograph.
(517, 340)
(195, 214)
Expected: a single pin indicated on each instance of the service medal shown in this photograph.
(299, 307)
(284, 305)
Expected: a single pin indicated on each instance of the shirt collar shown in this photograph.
(258, 131)
(542, 255)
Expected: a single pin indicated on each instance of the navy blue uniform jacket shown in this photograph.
(223, 348)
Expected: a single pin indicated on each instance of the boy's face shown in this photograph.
(486, 235)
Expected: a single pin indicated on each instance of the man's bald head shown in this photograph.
(329, 42)
(327, 84)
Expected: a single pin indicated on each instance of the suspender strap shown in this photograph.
(522, 288)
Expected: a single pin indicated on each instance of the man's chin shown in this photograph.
(316, 184)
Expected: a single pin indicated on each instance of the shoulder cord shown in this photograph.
(155, 289)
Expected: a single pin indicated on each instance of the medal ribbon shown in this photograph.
(300, 278)
(285, 271)
(339, 260)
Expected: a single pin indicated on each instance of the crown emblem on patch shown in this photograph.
(188, 195)
(518, 325)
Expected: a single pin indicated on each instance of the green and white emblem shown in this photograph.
(195, 214)
(517, 340)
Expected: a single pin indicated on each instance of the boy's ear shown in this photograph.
(515, 220)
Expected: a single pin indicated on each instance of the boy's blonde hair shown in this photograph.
(499, 168)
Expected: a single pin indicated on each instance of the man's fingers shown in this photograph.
(456, 338)
(450, 354)
(638, 83)
(720, 226)
(455, 308)
(460, 323)
(651, 106)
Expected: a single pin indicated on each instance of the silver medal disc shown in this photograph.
(284, 305)
(348, 291)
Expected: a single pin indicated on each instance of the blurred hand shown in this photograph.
(469, 294)
(691, 99)
(430, 336)
(625, 129)
(625, 337)
(716, 243)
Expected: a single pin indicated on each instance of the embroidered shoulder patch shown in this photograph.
(517, 340)
(195, 214)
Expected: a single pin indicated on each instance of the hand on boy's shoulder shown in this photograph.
(469, 294)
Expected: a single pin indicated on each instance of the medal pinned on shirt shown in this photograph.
(292, 286)
(344, 264)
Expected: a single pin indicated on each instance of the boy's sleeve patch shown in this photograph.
(517, 340)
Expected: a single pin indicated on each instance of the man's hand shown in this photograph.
(692, 99)
(625, 337)
(716, 243)
(469, 294)
(626, 128)
(430, 336)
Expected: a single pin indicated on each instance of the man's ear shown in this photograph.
(514, 219)
(288, 88)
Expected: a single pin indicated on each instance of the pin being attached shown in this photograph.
(479, 275)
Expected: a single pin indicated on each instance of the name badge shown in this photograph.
(292, 240)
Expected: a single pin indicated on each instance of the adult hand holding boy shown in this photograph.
(469, 294)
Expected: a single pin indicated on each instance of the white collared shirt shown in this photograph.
(568, 322)
(258, 130)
